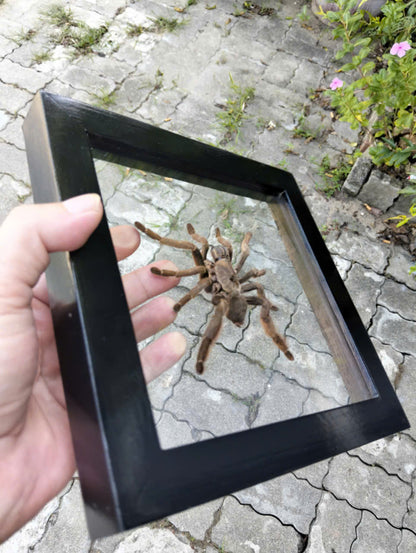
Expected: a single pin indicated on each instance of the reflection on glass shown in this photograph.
(247, 381)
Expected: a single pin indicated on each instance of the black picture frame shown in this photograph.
(126, 478)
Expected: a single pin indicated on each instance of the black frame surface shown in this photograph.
(126, 478)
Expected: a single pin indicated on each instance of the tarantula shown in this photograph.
(221, 279)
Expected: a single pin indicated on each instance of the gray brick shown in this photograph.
(242, 530)
(368, 487)
(375, 536)
(391, 329)
(291, 500)
(334, 527)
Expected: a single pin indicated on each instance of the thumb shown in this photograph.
(29, 233)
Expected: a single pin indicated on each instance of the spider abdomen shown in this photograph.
(237, 309)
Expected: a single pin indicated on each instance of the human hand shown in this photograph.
(36, 454)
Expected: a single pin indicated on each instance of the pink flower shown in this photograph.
(400, 48)
(336, 83)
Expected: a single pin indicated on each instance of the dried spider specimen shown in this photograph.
(227, 286)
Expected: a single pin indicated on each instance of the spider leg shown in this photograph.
(253, 273)
(182, 244)
(210, 335)
(199, 269)
(245, 252)
(266, 320)
(255, 300)
(198, 238)
(224, 242)
(193, 292)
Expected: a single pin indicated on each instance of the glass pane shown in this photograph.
(247, 381)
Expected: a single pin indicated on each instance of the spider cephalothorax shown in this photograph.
(227, 286)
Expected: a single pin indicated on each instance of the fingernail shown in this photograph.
(82, 204)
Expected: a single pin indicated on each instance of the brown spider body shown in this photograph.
(228, 288)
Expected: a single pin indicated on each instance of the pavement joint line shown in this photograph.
(393, 312)
(378, 465)
(367, 510)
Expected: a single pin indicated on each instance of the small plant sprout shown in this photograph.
(233, 114)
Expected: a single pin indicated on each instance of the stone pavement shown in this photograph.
(134, 58)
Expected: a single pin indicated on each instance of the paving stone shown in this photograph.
(317, 402)
(334, 528)
(405, 392)
(314, 474)
(281, 69)
(375, 535)
(231, 371)
(242, 530)
(408, 542)
(87, 80)
(207, 409)
(343, 265)
(303, 44)
(13, 132)
(23, 77)
(364, 286)
(13, 162)
(398, 298)
(396, 454)
(68, 532)
(380, 190)
(409, 520)
(357, 176)
(12, 194)
(391, 329)
(197, 520)
(305, 328)
(368, 487)
(162, 194)
(4, 119)
(398, 268)
(152, 540)
(390, 359)
(291, 500)
(13, 99)
(283, 400)
(314, 370)
(360, 249)
(173, 433)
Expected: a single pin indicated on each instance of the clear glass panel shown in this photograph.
(247, 381)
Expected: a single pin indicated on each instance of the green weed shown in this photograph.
(25, 36)
(162, 24)
(40, 57)
(73, 33)
(233, 114)
(134, 30)
(332, 178)
(105, 99)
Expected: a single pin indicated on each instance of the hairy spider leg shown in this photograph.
(252, 273)
(224, 242)
(181, 244)
(245, 252)
(199, 269)
(202, 284)
(265, 318)
(210, 335)
(198, 238)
